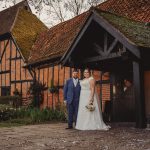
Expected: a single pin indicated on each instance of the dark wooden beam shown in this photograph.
(112, 46)
(109, 28)
(138, 82)
(98, 49)
(15, 67)
(0, 48)
(38, 75)
(4, 49)
(5, 60)
(43, 76)
(105, 42)
(53, 82)
(16, 58)
(21, 81)
(99, 58)
(4, 72)
(64, 76)
(44, 63)
(58, 80)
(30, 69)
(17, 48)
(1, 75)
(21, 74)
(101, 94)
(11, 48)
(48, 81)
(66, 56)
(112, 82)
(5, 36)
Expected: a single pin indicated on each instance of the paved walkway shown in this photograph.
(54, 136)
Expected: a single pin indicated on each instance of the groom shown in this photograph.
(71, 96)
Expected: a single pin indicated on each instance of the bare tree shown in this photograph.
(75, 6)
(37, 4)
(57, 10)
(94, 2)
(65, 9)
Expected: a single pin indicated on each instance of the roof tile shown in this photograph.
(58, 39)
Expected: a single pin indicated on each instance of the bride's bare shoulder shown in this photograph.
(91, 79)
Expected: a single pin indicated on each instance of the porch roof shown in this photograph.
(58, 39)
(55, 42)
(138, 10)
(137, 32)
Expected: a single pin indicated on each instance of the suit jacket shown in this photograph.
(69, 90)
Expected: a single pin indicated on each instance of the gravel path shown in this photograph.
(54, 136)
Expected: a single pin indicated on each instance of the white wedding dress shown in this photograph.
(89, 120)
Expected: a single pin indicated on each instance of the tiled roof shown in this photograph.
(138, 10)
(57, 40)
(23, 26)
(136, 32)
(25, 31)
(7, 17)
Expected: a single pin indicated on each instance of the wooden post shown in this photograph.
(5, 61)
(112, 80)
(53, 82)
(15, 67)
(64, 81)
(10, 64)
(101, 85)
(58, 82)
(43, 76)
(47, 84)
(21, 76)
(138, 81)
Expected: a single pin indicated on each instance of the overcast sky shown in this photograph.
(44, 16)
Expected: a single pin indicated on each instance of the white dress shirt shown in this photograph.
(75, 81)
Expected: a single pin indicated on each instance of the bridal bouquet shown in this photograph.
(90, 106)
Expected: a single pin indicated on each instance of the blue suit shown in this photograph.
(72, 95)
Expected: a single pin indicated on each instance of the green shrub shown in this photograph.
(11, 100)
(35, 115)
(36, 89)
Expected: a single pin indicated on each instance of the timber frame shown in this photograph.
(109, 28)
(104, 57)
(12, 74)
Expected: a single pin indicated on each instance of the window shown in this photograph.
(5, 91)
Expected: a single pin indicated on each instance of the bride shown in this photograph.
(86, 119)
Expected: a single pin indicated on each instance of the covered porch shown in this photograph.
(111, 43)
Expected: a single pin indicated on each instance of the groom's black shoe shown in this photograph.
(69, 128)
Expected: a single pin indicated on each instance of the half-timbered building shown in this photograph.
(18, 31)
(98, 39)
(120, 46)
(116, 47)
